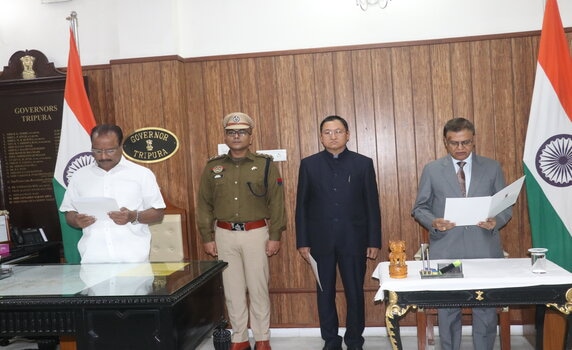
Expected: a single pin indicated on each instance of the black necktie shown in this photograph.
(461, 178)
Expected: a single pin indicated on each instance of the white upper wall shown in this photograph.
(117, 29)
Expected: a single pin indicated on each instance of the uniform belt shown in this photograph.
(241, 226)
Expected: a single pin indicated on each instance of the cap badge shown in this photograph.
(236, 118)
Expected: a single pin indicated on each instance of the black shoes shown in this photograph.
(332, 348)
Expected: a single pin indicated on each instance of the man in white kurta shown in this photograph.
(122, 236)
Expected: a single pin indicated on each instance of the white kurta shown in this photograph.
(133, 187)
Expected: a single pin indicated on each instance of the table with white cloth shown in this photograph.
(485, 283)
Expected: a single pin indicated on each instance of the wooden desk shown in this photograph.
(162, 306)
(486, 283)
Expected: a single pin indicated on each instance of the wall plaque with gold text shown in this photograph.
(31, 119)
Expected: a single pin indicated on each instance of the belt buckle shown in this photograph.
(237, 226)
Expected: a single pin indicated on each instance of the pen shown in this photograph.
(449, 267)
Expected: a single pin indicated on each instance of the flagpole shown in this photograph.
(74, 28)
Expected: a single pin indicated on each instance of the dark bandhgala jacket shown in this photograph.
(337, 204)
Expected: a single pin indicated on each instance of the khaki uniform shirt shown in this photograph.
(234, 192)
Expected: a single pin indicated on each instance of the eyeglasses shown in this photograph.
(336, 132)
(109, 151)
(460, 143)
(240, 132)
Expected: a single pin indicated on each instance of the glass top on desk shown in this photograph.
(138, 279)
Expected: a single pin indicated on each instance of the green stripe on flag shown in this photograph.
(549, 230)
(70, 235)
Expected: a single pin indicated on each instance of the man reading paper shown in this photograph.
(125, 237)
(447, 177)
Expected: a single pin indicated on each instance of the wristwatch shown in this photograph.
(136, 221)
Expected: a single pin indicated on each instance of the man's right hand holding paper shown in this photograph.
(441, 224)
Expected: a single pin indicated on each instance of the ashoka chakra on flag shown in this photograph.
(554, 160)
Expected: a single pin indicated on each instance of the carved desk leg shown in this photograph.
(566, 310)
(393, 313)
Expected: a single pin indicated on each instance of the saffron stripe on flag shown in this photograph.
(75, 144)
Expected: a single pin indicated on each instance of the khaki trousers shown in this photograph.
(245, 253)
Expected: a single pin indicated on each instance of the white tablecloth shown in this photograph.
(478, 274)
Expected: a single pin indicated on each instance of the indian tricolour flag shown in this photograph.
(75, 144)
(548, 148)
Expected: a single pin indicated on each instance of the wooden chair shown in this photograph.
(169, 238)
(425, 317)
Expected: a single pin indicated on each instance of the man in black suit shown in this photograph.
(338, 222)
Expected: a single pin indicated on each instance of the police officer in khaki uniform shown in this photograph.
(241, 217)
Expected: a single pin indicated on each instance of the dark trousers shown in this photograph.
(352, 271)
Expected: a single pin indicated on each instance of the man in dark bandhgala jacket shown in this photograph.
(338, 222)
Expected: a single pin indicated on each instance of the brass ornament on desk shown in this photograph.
(397, 258)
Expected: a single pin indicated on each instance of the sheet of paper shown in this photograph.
(96, 206)
(505, 197)
(315, 271)
(467, 211)
(472, 210)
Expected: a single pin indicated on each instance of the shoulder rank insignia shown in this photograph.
(264, 155)
(220, 156)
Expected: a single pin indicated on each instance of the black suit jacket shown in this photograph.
(337, 205)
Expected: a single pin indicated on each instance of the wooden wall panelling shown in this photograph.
(323, 94)
(483, 105)
(289, 122)
(248, 102)
(508, 140)
(265, 85)
(386, 161)
(299, 136)
(365, 135)
(501, 124)
(213, 105)
(503, 129)
(524, 63)
(197, 144)
(405, 145)
(424, 130)
(175, 120)
(100, 92)
(231, 91)
(461, 84)
(442, 92)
